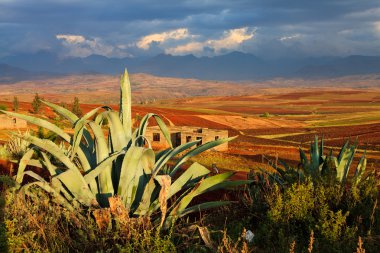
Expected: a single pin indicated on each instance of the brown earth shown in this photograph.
(296, 113)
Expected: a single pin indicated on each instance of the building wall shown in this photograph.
(7, 122)
(182, 135)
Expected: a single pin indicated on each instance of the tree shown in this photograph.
(15, 104)
(36, 104)
(76, 107)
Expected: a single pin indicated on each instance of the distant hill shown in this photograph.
(351, 65)
(12, 74)
(232, 66)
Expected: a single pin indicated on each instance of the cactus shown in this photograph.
(97, 167)
(321, 166)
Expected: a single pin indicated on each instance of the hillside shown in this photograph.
(236, 66)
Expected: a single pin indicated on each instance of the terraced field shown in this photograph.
(273, 122)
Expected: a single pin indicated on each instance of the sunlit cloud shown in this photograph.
(80, 46)
(178, 34)
(230, 40)
(189, 48)
(71, 39)
(290, 37)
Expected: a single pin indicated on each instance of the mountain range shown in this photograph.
(236, 66)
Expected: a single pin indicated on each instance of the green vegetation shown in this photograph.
(317, 197)
(100, 187)
(76, 107)
(3, 107)
(36, 104)
(17, 146)
(16, 104)
(265, 115)
(94, 169)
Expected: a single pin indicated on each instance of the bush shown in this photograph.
(47, 227)
(287, 206)
(265, 115)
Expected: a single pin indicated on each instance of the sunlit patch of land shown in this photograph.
(269, 118)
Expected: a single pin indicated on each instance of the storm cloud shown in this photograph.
(267, 28)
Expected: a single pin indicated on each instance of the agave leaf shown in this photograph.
(91, 175)
(62, 111)
(204, 206)
(303, 158)
(78, 188)
(51, 168)
(360, 168)
(188, 178)
(314, 155)
(118, 136)
(145, 201)
(72, 118)
(22, 165)
(102, 152)
(57, 186)
(35, 163)
(53, 149)
(322, 147)
(125, 104)
(344, 163)
(193, 174)
(202, 187)
(72, 178)
(229, 184)
(135, 162)
(342, 151)
(45, 124)
(35, 176)
(162, 153)
(165, 131)
(56, 196)
(198, 150)
(78, 130)
(170, 154)
(41, 123)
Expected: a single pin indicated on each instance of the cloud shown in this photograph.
(189, 48)
(80, 46)
(230, 40)
(178, 34)
(290, 37)
(71, 39)
(149, 27)
(377, 28)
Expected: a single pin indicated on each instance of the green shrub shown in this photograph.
(48, 227)
(317, 196)
(265, 115)
(4, 153)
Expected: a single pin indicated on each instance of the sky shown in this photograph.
(134, 28)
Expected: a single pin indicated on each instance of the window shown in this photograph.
(188, 138)
(199, 143)
(216, 137)
(156, 137)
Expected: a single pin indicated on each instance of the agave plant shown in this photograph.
(17, 146)
(97, 166)
(321, 166)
